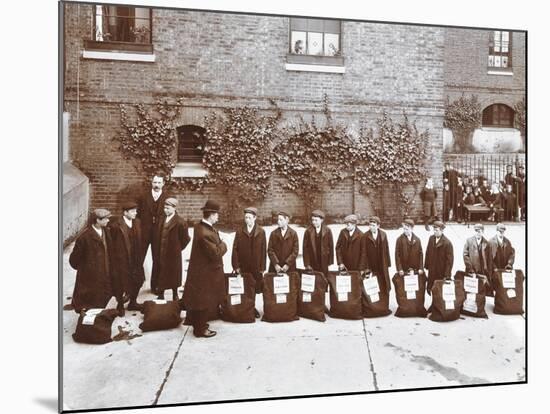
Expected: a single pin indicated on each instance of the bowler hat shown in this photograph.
(318, 213)
(211, 206)
(171, 201)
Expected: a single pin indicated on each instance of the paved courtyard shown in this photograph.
(304, 357)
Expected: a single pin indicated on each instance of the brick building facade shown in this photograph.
(222, 60)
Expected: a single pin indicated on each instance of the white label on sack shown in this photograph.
(411, 283)
(93, 311)
(308, 283)
(508, 280)
(236, 285)
(449, 304)
(280, 298)
(343, 284)
(343, 297)
(470, 305)
(511, 293)
(281, 284)
(471, 284)
(88, 319)
(371, 285)
(160, 301)
(374, 298)
(448, 292)
(235, 299)
(411, 294)
(306, 297)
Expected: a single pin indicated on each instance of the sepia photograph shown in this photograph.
(264, 206)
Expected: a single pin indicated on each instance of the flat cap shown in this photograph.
(251, 210)
(501, 226)
(283, 213)
(478, 226)
(211, 206)
(439, 224)
(352, 218)
(171, 201)
(129, 204)
(102, 213)
(409, 222)
(318, 213)
(374, 219)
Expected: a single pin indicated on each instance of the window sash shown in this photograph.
(129, 28)
(500, 49)
(305, 32)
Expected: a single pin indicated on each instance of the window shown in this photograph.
(190, 143)
(122, 24)
(498, 115)
(500, 50)
(315, 37)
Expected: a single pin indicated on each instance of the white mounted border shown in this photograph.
(133, 57)
(301, 67)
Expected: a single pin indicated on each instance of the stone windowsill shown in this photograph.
(499, 72)
(308, 63)
(189, 170)
(114, 55)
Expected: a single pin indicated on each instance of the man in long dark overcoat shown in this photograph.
(90, 259)
(408, 250)
(502, 252)
(151, 214)
(318, 244)
(204, 287)
(250, 248)
(350, 246)
(173, 237)
(477, 256)
(127, 257)
(377, 253)
(439, 256)
(282, 248)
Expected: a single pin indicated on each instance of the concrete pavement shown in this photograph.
(299, 358)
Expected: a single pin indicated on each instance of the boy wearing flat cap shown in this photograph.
(439, 256)
(477, 256)
(502, 252)
(173, 237)
(250, 248)
(127, 257)
(377, 253)
(282, 247)
(408, 250)
(204, 287)
(90, 259)
(318, 244)
(350, 246)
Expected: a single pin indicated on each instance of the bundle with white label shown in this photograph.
(94, 326)
(474, 291)
(280, 294)
(345, 295)
(376, 296)
(311, 299)
(410, 292)
(160, 314)
(447, 299)
(238, 306)
(508, 292)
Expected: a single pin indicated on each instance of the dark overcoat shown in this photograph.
(282, 250)
(151, 213)
(507, 256)
(439, 259)
(90, 259)
(408, 255)
(350, 249)
(126, 256)
(167, 265)
(318, 260)
(473, 261)
(378, 252)
(205, 284)
(249, 250)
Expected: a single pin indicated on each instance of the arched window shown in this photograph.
(498, 115)
(190, 143)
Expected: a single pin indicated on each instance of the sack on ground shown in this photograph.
(345, 295)
(94, 326)
(311, 298)
(280, 294)
(160, 314)
(447, 299)
(474, 291)
(410, 292)
(508, 292)
(375, 300)
(240, 295)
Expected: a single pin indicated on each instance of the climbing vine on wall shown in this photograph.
(520, 117)
(463, 116)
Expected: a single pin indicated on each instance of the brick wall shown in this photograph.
(219, 60)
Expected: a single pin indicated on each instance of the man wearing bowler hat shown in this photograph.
(204, 287)
(249, 249)
(377, 253)
(127, 256)
(318, 245)
(439, 256)
(90, 259)
(350, 246)
(173, 237)
(282, 248)
(408, 250)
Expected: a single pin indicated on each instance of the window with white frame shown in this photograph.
(500, 49)
(315, 37)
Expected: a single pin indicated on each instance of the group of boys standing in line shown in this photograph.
(109, 257)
